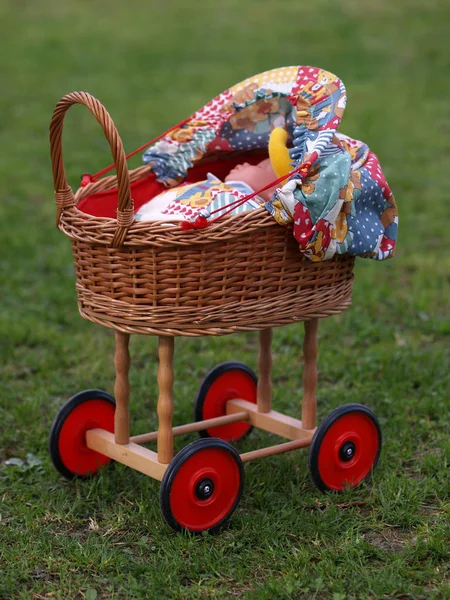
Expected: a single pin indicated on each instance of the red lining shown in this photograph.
(104, 204)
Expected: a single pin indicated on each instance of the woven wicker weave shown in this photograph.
(241, 273)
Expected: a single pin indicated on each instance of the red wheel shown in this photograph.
(345, 448)
(202, 486)
(67, 444)
(227, 381)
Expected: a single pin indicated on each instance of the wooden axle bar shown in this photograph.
(271, 421)
(134, 456)
(278, 449)
(192, 427)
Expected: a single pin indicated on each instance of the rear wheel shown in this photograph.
(202, 486)
(227, 381)
(86, 410)
(345, 448)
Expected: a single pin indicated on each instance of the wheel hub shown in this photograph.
(347, 451)
(204, 489)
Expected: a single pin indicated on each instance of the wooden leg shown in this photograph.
(122, 388)
(165, 402)
(310, 351)
(264, 390)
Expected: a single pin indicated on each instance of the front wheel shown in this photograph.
(86, 410)
(202, 486)
(345, 448)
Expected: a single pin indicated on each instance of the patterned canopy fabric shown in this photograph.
(342, 205)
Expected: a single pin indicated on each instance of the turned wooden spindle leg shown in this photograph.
(264, 390)
(122, 388)
(310, 351)
(165, 402)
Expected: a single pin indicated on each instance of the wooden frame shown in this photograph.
(128, 451)
(131, 454)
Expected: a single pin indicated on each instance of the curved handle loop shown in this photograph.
(64, 196)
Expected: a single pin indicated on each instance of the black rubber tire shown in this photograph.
(63, 413)
(319, 435)
(208, 380)
(171, 473)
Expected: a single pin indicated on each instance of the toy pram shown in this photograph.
(241, 273)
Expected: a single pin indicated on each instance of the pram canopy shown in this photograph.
(242, 118)
(342, 204)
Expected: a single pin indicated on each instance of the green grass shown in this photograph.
(153, 63)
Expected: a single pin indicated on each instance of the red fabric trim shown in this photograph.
(104, 204)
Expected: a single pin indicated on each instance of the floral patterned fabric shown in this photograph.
(344, 205)
(186, 201)
(341, 203)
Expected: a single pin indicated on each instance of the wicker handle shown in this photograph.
(64, 196)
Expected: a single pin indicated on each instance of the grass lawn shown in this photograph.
(152, 64)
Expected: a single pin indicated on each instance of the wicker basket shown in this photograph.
(241, 273)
